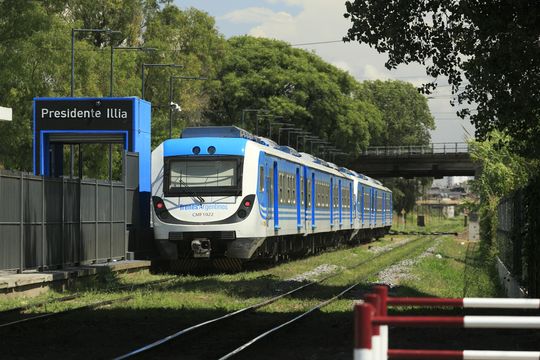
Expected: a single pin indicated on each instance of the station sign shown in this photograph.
(83, 114)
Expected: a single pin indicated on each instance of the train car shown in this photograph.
(223, 194)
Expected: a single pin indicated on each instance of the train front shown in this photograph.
(203, 195)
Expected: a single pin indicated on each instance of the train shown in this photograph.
(222, 194)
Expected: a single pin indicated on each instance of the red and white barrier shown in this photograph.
(463, 355)
(371, 326)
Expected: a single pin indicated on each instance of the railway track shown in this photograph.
(412, 246)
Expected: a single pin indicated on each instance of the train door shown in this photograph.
(384, 208)
(362, 203)
(331, 201)
(298, 198)
(375, 207)
(313, 200)
(303, 183)
(340, 202)
(370, 206)
(275, 194)
(269, 184)
(351, 203)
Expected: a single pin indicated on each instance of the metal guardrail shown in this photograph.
(410, 150)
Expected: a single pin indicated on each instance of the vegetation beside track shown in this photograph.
(162, 309)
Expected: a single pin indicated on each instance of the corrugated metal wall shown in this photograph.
(54, 222)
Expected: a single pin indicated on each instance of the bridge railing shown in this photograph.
(411, 150)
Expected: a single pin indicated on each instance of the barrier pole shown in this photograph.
(425, 354)
(467, 303)
(374, 300)
(363, 316)
(382, 292)
(463, 354)
(471, 322)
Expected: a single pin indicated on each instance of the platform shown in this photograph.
(32, 282)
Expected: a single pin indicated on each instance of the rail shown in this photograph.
(372, 320)
(411, 150)
(264, 303)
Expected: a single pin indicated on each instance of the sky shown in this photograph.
(308, 21)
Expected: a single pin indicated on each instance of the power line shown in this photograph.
(319, 43)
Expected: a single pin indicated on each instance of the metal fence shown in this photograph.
(55, 222)
(410, 150)
(510, 233)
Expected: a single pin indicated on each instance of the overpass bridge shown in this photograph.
(432, 160)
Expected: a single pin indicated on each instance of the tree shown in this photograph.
(295, 84)
(406, 120)
(35, 52)
(503, 171)
(493, 45)
(188, 38)
(406, 117)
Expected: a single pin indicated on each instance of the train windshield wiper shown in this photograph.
(191, 192)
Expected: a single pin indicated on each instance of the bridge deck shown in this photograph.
(434, 160)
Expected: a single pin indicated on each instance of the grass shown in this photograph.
(456, 269)
(162, 309)
(432, 223)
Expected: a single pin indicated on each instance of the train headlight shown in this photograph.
(211, 150)
(196, 150)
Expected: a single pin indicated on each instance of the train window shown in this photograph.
(317, 194)
(327, 195)
(309, 193)
(280, 188)
(291, 189)
(271, 191)
(293, 180)
(205, 177)
(318, 190)
(286, 190)
(261, 179)
(302, 191)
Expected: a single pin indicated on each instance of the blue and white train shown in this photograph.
(223, 193)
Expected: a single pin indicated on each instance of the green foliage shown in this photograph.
(243, 72)
(406, 118)
(493, 45)
(298, 85)
(35, 52)
(502, 171)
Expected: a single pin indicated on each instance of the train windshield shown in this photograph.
(203, 176)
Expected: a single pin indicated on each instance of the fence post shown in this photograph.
(96, 211)
(21, 228)
(374, 300)
(363, 316)
(111, 217)
(63, 224)
(79, 245)
(382, 292)
(124, 177)
(43, 223)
